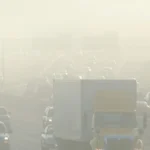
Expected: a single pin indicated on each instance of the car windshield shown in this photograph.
(3, 111)
(2, 128)
(115, 120)
(50, 130)
(50, 113)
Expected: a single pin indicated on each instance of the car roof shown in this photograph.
(2, 107)
(49, 107)
(2, 123)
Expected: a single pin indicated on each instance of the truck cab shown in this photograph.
(115, 117)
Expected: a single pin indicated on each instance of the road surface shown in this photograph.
(26, 122)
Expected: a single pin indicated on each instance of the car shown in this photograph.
(48, 141)
(4, 137)
(47, 117)
(147, 98)
(5, 117)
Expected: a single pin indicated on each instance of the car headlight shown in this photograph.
(50, 120)
(6, 140)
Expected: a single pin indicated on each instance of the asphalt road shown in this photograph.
(27, 123)
(27, 129)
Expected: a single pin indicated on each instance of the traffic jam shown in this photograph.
(89, 111)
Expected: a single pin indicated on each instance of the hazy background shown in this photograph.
(32, 18)
(39, 36)
(33, 33)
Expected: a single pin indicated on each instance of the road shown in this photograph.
(27, 124)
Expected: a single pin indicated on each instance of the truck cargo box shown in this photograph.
(68, 112)
(75, 101)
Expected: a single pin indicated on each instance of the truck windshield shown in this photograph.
(115, 120)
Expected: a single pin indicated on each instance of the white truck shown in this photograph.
(73, 103)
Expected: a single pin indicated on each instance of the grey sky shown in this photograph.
(19, 18)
